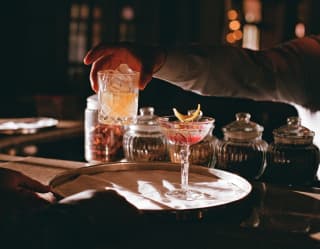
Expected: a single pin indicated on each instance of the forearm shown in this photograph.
(281, 74)
(296, 66)
(218, 71)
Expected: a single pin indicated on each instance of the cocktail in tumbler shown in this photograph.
(118, 95)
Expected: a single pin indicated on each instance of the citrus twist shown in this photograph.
(187, 118)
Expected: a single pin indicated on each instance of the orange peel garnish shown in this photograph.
(187, 118)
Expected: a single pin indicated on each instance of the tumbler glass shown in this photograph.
(118, 95)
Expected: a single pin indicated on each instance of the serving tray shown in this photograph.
(144, 185)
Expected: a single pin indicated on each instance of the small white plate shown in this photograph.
(26, 125)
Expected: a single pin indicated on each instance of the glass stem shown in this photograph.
(184, 154)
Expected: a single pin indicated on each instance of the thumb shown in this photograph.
(144, 80)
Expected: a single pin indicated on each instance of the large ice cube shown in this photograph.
(124, 68)
(121, 81)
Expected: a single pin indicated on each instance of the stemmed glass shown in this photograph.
(185, 134)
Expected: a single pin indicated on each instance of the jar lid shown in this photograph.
(146, 121)
(242, 128)
(293, 133)
(92, 102)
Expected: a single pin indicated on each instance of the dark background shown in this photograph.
(39, 78)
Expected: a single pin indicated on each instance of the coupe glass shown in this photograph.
(185, 134)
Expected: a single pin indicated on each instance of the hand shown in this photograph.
(21, 194)
(102, 206)
(145, 59)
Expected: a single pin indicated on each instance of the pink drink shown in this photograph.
(185, 134)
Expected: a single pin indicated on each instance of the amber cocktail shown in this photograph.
(118, 95)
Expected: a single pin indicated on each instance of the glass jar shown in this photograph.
(201, 153)
(103, 143)
(292, 157)
(143, 140)
(242, 150)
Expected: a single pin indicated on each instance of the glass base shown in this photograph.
(188, 195)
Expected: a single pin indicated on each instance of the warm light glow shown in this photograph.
(252, 10)
(30, 150)
(96, 33)
(300, 30)
(96, 13)
(96, 28)
(12, 152)
(74, 11)
(230, 38)
(237, 35)
(232, 14)
(234, 25)
(251, 37)
(84, 11)
(127, 13)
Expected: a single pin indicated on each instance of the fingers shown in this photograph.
(112, 62)
(145, 78)
(111, 56)
(97, 52)
(146, 73)
(103, 62)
